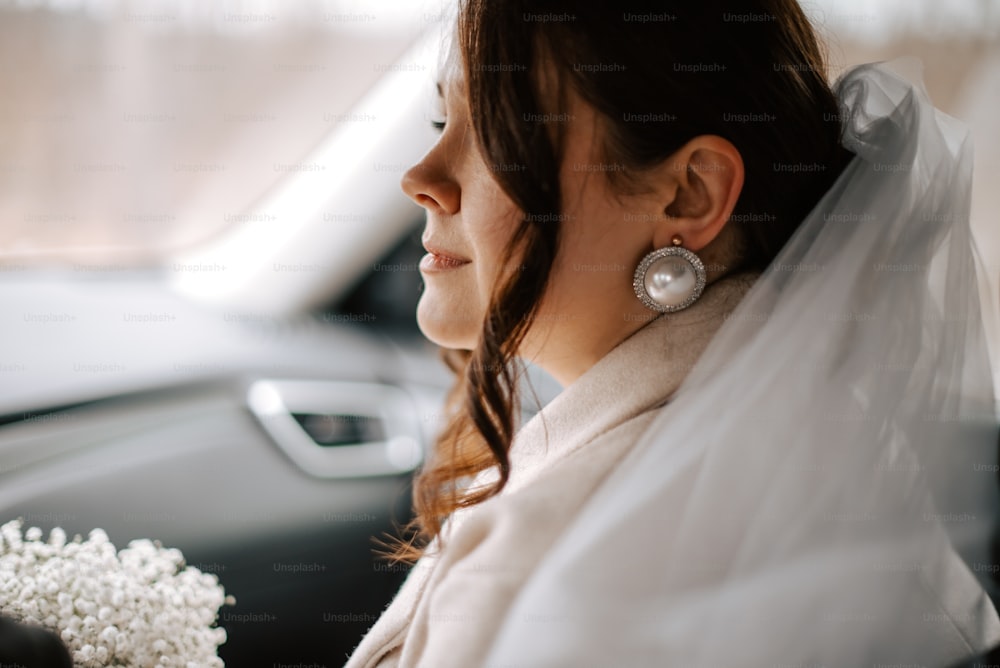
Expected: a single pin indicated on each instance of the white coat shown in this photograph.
(451, 606)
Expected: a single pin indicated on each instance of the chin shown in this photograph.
(445, 326)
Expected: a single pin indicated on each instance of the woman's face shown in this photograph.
(589, 305)
(469, 219)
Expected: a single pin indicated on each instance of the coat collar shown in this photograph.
(640, 373)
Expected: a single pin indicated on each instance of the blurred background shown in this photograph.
(208, 277)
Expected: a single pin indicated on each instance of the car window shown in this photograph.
(131, 129)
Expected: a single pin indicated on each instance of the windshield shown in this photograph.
(130, 130)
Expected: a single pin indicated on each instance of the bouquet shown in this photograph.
(140, 606)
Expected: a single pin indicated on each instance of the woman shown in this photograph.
(609, 195)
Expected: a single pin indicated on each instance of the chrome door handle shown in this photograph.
(275, 403)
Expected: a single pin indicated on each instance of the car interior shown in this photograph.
(258, 395)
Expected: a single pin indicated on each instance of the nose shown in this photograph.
(432, 188)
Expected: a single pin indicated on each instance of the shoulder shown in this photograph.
(492, 549)
(519, 524)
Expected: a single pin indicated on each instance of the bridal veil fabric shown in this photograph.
(822, 490)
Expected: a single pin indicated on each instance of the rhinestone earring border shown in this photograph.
(639, 278)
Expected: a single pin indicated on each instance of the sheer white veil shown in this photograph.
(804, 498)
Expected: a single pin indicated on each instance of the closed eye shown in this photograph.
(439, 125)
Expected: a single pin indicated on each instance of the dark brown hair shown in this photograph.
(659, 74)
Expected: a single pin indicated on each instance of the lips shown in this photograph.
(438, 259)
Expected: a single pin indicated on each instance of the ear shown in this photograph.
(705, 178)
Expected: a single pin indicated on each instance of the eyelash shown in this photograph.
(438, 125)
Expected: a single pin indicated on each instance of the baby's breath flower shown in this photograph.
(141, 606)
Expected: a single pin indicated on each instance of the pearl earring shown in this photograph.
(669, 279)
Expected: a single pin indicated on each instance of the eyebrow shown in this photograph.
(440, 89)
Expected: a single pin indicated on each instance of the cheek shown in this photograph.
(490, 221)
(491, 267)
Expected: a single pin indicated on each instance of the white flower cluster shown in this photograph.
(140, 607)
